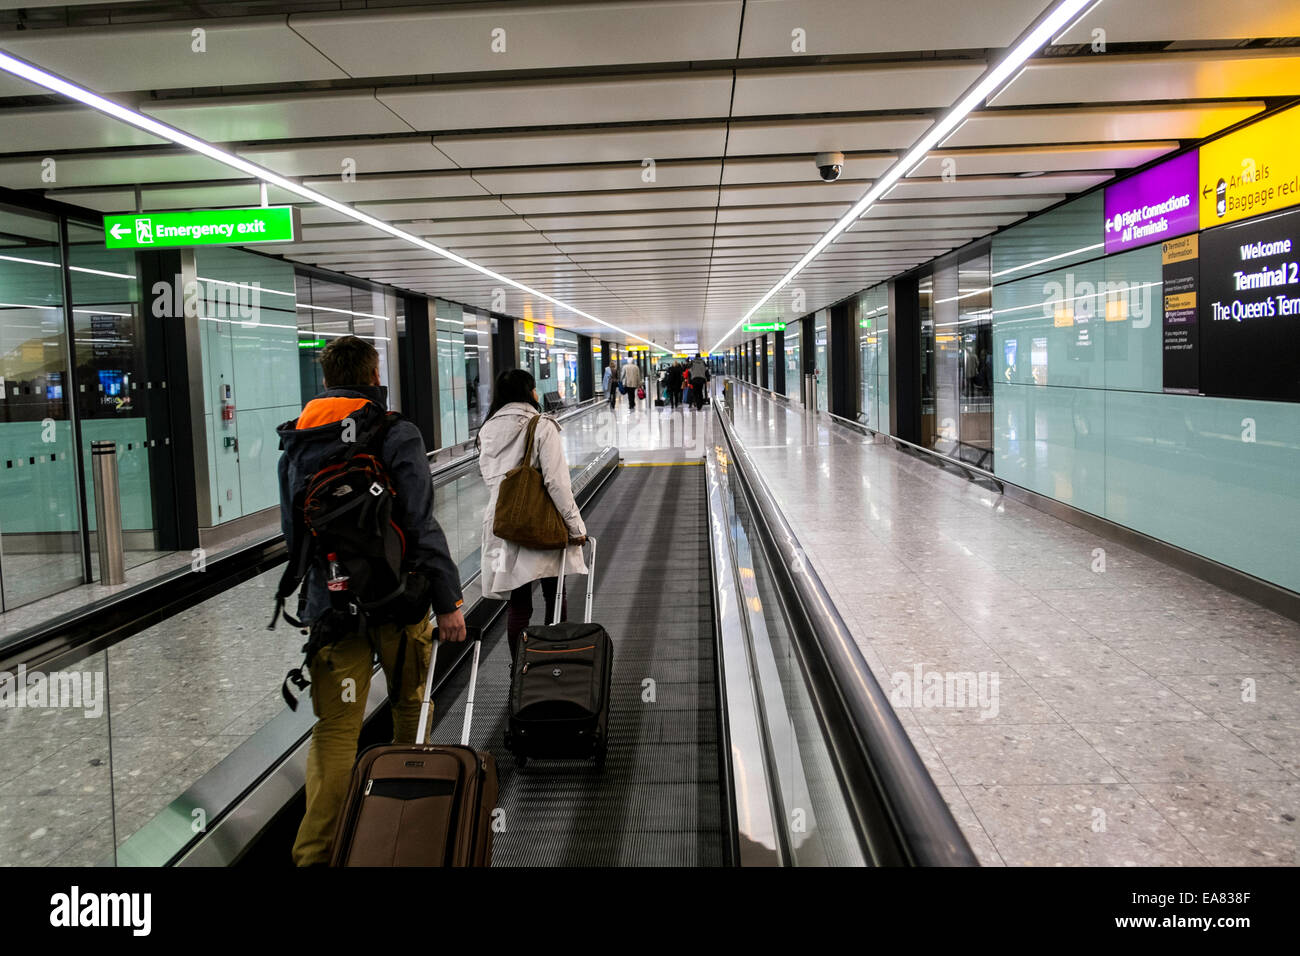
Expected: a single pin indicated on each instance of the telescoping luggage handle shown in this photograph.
(426, 705)
(591, 584)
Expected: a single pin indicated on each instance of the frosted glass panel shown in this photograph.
(1134, 316)
(1053, 240)
(1178, 470)
(1052, 441)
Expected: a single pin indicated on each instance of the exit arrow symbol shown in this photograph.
(120, 230)
(1205, 191)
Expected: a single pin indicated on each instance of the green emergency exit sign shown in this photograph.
(765, 327)
(201, 227)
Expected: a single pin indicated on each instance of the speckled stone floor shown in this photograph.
(1144, 716)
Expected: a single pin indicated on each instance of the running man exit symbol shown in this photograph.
(143, 231)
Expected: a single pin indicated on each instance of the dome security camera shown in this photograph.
(830, 165)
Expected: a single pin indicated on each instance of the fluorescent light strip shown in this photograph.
(55, 265)
(120, 315)
(326, 308)
(944, 128)
(243, 285)
(50, 81)
(963, 295)
(101, 272)
(1039, 262)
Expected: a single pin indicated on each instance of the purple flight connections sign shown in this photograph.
(1153, 206)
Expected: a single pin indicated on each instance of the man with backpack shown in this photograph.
(356, 505)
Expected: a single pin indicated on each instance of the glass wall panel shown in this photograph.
(872, 319)
(453, 397)
(115, 397)
(248, 323)
(41, 550)
(769, 344)
(974, 359)
(821, 336)
(478, 367)
(793, 363)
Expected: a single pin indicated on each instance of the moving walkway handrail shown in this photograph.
(900, 815)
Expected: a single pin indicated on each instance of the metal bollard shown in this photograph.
(727, 400)
(810, 390)
(108, 512)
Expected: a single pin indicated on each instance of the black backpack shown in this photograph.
(345, 509)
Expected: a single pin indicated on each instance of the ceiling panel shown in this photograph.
(1119, 123)
(857, 166)
(749, 138)
(631, 200)
(813, 192)
(360, 157)
(110, 59)
(97, 169)
(1186, 20)
(561, 103)
(630, 175)
(53, 128)
(371, 188)
(974, 186)
(902, 86)
(242, 119)
(575, 34)
(1168, 76)
(440, 209)
(843, 26)
(979, 162)
(585, 146)
(665, 217)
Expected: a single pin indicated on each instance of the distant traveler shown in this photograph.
(699, 374)
(607, 383)
(674, 384)
(629, 379)
(353, 410)
(509, 569)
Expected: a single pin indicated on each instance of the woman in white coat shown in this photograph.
(509, 569)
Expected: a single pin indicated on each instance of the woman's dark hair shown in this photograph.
(516, 385)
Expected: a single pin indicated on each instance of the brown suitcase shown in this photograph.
(420, 804)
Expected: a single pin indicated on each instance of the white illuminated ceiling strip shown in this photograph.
(244, 285)
(326, 308)
(55, 265)
(57, 84)
(1046, 29)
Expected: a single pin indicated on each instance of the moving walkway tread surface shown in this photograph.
(657, 802)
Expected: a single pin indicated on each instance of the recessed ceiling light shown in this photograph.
(1031, 173)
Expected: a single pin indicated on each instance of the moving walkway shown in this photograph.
(745, 727)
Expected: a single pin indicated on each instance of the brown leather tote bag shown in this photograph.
(525, 513)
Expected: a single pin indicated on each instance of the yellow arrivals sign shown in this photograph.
(1252, 171)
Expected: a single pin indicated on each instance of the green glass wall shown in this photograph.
(1080, 415)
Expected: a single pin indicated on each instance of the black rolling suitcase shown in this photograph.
(559, 686)
(420, 804)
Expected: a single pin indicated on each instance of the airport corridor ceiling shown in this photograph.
(650, 163)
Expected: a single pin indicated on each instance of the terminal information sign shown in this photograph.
(1153, 206)
(200, 227)
(765, 327)
(1252, 171)
(1250, 309)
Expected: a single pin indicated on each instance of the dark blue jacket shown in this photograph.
(311, 439)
